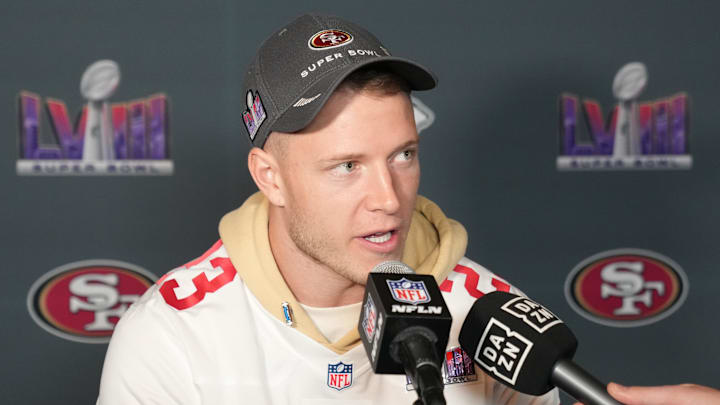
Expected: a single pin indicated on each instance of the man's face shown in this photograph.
(350, 180)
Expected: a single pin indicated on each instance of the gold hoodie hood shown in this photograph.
(434, 245)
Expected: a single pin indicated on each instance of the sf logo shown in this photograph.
(332, 38)
(625, 280)
(97, 293)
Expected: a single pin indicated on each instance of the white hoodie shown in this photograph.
(214, 331)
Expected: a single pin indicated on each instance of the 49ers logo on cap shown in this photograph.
(82, 301)
(626, 287)
(329, 38)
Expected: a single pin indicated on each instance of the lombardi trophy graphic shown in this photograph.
(629, 82)
(98, 83)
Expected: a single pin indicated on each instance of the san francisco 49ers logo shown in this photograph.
(626, 287)
(329, 38)
(83, 301)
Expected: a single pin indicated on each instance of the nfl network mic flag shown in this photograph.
(394, 302)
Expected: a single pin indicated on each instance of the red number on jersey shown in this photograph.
(472, 279)
(202, 285)
(204, 256)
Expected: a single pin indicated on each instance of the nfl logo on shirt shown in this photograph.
(339, 375)
(408, 291)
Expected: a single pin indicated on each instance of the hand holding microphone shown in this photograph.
(526, 347)
(405, 326)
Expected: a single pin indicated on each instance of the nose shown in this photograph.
(381, 193)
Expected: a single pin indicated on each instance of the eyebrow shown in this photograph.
(412, 142)
(358, 156)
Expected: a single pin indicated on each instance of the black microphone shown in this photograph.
(405, 326)
(526, 347)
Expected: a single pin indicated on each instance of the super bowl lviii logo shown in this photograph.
(626, 287)
(82, 301)
(130, 138)
(424, 116)
(635, 135)
(457, 368)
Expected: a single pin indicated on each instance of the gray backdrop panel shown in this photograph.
(488, 161)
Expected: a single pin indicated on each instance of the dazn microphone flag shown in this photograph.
(526, 347)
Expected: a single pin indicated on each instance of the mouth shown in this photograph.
(381, 242)
(379, 237)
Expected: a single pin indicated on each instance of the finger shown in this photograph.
(660, 395)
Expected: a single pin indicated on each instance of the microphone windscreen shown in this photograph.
(516, 341)
(394, 267)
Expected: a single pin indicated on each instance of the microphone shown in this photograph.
(405, 326)
(526, 347)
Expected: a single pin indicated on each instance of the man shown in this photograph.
(269, 314)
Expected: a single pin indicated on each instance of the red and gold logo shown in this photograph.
(626, 287)
(329, 38)
(83, 301)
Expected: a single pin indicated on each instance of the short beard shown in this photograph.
(319, 250)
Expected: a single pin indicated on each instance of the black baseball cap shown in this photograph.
(297, 69)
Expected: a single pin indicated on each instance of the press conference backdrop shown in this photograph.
(490, 160)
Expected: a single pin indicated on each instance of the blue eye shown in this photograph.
(345, 168)
(406, 154)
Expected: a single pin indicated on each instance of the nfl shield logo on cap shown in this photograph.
(411, 292)
(339, 375)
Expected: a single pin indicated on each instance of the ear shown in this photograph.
(265, 172)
